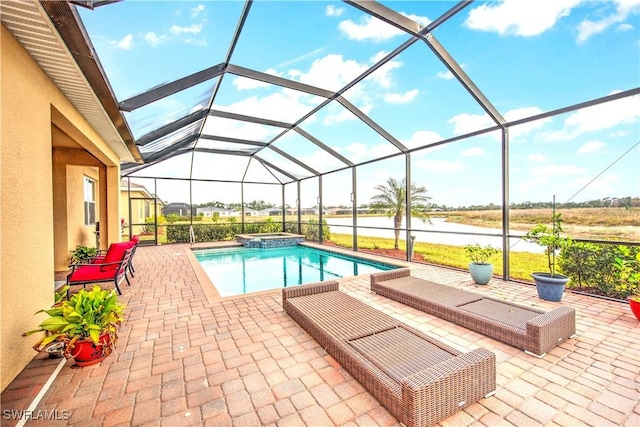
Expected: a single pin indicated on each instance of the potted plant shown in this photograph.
(86, 324)
(480, 268)
(634, 305)
(81, 254)
(550, 286)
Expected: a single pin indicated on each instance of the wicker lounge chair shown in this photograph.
(533, 330)
(417, 378)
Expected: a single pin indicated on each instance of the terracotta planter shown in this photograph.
(634, 305)
(86, 353)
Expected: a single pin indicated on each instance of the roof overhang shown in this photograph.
(74, 69)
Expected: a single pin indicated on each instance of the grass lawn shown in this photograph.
(522, 263)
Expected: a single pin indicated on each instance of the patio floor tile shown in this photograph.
(183, 359)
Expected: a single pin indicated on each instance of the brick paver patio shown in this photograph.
(185, 357)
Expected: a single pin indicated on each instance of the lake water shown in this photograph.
(437, 232)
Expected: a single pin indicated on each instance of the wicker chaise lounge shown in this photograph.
(533, 330)
(418, 379)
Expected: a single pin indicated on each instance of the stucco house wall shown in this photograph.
(35, 116)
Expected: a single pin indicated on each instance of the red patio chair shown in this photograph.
(113, 267)
(135, 240)
(101, 254)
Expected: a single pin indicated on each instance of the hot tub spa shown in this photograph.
(269, 240)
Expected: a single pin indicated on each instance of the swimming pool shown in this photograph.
(239, 271)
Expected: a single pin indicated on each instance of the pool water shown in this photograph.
(240, 271)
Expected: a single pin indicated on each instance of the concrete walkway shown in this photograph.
(187, 357)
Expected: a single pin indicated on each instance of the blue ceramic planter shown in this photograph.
(481, 273)
(550, 288)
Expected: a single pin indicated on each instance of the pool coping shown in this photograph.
(213, 296)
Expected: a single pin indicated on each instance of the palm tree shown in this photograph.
(393, 196)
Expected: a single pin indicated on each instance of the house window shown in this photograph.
(89, 201)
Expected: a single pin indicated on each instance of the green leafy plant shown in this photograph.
(628, 268)
(82, 254)
(606, 269)
(549, 238)
(87, 315)
(480, 254)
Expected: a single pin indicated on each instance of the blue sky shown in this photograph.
(527, 57)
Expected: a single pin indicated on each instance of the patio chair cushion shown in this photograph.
(90, 272)
(115, 254)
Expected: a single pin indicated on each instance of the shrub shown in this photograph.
(611, 270)
(311, 230)
(82, 254)
(266, 226)
(172, 217)
(203, 232)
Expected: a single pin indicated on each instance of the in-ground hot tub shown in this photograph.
(269, 240)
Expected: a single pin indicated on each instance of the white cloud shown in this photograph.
(591, 147)
(471, 152)
(382, 75)
(125, 44)
(519, 17)
(331, 10)
(153, 39)
(601, 187)
(243, 83)
(465, 122)
(196, 42)
(624, 8)
(287, 106)
(338, 115)
(359, 151)
(192, 29)
(588, 28)
(598, 117)
(624, 27)
(537, 157)
(421, 138)
(439, 166)
(401, 98)
(374, 29)
(321, 160)
(522, 113)
(302, 57)
(332, 72)
(446, 75)
(238, 129)
(619, 133)
(526, 128)
(195, 11)
(551, 171)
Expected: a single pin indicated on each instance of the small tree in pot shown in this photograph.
(480, 268)
(550, 286)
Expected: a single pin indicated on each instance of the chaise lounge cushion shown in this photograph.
(532, 329)
(416, 377)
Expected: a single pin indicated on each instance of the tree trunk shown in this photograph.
(397, 222)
